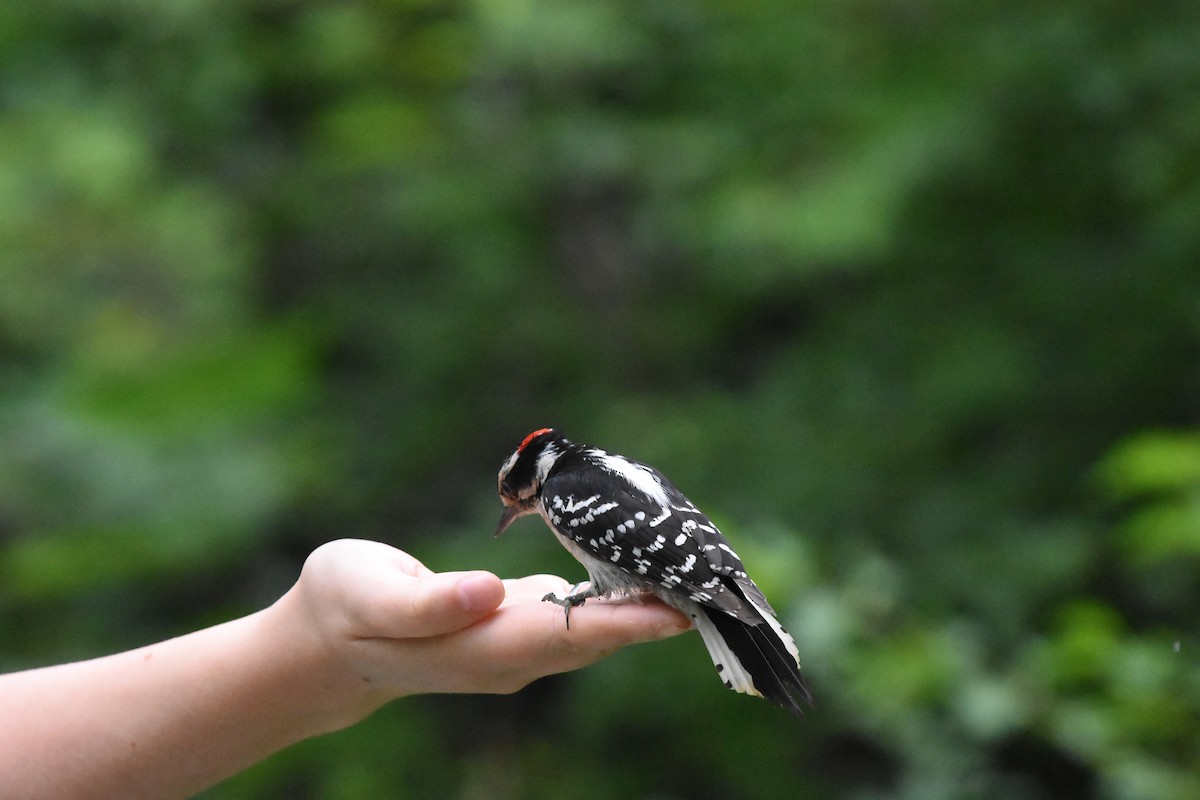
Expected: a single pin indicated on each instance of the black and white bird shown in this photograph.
(635, 533)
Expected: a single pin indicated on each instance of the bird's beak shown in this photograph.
(517, 509)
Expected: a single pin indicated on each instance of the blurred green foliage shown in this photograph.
(905, 294)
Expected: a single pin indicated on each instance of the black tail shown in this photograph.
(764, 655)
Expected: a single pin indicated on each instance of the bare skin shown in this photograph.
(364, 624)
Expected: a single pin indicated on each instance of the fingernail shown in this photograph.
(480, 591)
(677, 626)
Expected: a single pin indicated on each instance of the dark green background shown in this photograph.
(906, 295)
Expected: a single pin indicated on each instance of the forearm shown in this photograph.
(169, 719)
(364, 624)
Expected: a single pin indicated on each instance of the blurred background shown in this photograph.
(906, 295)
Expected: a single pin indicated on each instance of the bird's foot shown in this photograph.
(574, 598)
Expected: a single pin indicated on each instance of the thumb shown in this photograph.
(444, 602)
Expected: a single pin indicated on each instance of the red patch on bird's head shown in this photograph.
(525, 442)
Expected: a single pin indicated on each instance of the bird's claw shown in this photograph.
(568, 602)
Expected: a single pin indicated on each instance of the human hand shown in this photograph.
(364, 624)
(387, 626)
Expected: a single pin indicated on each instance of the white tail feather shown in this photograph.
(728, 666)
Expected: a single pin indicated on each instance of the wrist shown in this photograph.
(324, 688)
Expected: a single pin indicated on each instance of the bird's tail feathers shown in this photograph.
(760, 659)
(729, 666)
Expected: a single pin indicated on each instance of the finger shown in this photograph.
(534, 588)
(392, 556)
(526, 641)
(433, 604)
(603, 626)
(340, 555)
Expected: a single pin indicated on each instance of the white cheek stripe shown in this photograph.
(510, 463)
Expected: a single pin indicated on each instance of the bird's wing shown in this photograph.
(675, 548)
